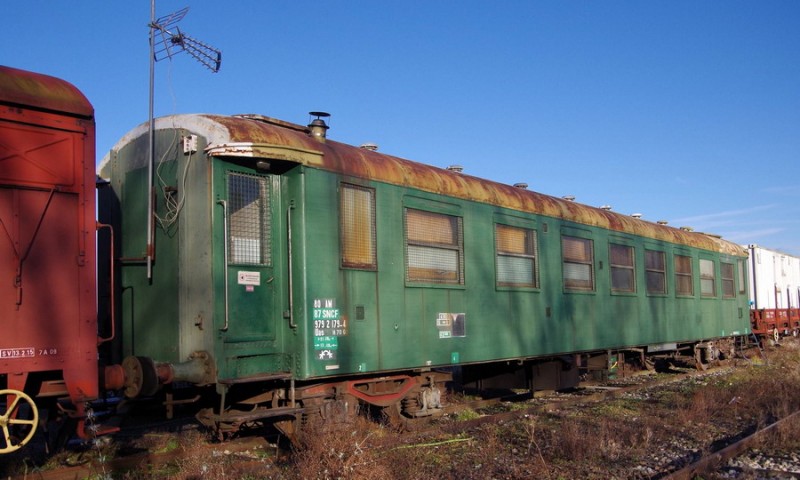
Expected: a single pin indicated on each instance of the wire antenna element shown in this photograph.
(171, 41)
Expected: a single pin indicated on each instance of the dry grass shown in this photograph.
(603, 440)
(597, 441)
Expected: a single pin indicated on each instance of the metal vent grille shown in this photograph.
(357, 227)
(248, 220)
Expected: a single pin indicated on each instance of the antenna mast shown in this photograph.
(169, 43)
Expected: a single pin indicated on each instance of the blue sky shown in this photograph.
(685, 110)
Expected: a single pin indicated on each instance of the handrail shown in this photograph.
(225, 259)
(289, 262)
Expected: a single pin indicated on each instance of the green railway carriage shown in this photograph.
(285, 258)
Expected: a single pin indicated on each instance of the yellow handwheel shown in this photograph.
(14, 401)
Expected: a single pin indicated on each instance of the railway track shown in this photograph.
(100, 462)
(716, 461)
(258, 453)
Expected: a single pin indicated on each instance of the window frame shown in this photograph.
(650, 271)
(727, 282)
(704, 277)
(531, 253)
(677, 275)
(457, 247)
(344, 238)
(235, 214)
(741, 273)
(579, 262)
(615, 267)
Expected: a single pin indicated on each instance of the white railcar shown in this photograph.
(774, 279)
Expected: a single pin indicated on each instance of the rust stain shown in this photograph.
(20, 87)
(347, 160)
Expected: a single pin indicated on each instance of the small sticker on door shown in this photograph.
(249, 278)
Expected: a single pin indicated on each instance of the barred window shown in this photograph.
(622, 268)
(434, 247)
(727, 276)
(516, 256)
(357, 227)
(578, 261)
(683, 275)
(708, 287)
(248, 219)
(655, 272)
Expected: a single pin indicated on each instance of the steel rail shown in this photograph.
(712, 462)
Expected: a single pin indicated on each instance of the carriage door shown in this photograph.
(251, 309)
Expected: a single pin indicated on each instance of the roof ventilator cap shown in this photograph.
(521, 185)
(456, 168)
(370, 146)
(318, 128)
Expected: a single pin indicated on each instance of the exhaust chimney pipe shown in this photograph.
(318, 128)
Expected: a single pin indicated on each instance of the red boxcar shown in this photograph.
(48, 310)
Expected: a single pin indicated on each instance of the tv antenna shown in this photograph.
(166, 41)
(171, 41)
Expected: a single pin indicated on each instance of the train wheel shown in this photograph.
(393, 416)
(16, 403)
(289, 429)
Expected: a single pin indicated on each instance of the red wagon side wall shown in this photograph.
(48, 307)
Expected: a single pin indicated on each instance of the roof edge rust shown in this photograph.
(261, 137)
(42, 92)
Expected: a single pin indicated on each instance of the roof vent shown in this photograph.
(369, 146)
(521, 185)
(318, 127)
(662, 222)
(569, 198)
(687, 229)
(456, 168)
(636, 215)
(605, 207)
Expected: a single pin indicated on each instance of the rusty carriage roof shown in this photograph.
(28, 89)
(263, 137)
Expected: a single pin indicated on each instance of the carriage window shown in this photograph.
(248, 219)
(622, 269)
(728, 287)
(683, 275)
(357, 227)
(578, 258)
(655, 272)
(517, 262)
(708, 286)
(434, 248)
(741, 272)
